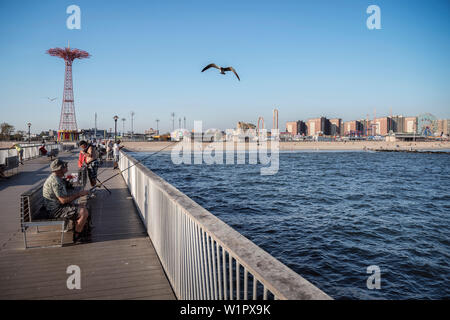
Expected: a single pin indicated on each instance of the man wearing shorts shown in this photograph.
(116, 149)
(60, 204)
(19, 152)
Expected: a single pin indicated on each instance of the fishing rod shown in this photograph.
(90, 164)
(120, 172)
(96, 178)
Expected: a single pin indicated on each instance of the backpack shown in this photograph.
(94, 151)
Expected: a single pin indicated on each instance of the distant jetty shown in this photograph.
(410, 151)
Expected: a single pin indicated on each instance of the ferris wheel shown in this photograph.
(426, 124)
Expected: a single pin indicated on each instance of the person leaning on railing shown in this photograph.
(19, 151)
(59, 204)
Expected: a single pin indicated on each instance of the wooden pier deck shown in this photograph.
(119, 263)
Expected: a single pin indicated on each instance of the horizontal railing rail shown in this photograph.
(203, 257)
(29, 151)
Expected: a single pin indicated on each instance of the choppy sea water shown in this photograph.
(330, 215)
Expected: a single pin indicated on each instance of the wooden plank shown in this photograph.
(92, 284)
(147, 272)
(60, 288)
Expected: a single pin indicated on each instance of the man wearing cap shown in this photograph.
(59, 203)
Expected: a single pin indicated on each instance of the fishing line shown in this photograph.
(120, 172)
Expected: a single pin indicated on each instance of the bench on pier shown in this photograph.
(34, 214)
(53, 153)
(67, 147)
(11, 163)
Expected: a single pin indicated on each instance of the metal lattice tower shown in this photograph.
(68, 121)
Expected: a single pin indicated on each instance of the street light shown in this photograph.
(29, 133)
(123, 127)
(132, 129)
(415, 128)
(173, 119)
(157, 126)
(115, 128)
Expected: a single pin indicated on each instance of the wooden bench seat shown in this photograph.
(33, 213)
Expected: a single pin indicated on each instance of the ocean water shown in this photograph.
(330, 215)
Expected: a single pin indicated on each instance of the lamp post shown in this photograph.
(29, 132)
(115, 127)
(132, 129)
(415, 128)
(157, 126)
(123, 127)
(173, 120)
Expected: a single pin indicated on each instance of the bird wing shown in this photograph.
(211, 65)
(231, 69)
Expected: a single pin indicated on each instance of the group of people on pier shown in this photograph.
(60, 199)
(57, 200)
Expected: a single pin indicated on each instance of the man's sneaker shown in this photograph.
(77, 236)
(80, 237)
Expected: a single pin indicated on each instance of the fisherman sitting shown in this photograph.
(42, 150)
(59, 204)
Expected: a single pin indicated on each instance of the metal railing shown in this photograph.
(29, 151)
(203, 257)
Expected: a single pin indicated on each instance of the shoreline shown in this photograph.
(299, 146)
(284, 146)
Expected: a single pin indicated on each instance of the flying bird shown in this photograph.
(222, 70)
(51, 99)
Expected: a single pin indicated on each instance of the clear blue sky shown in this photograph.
(307, 58)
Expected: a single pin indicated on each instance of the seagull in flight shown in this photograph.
(222, 70)
(51, 99)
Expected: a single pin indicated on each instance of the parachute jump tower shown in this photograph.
(68, 130)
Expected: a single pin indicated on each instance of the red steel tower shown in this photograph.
(68, 130)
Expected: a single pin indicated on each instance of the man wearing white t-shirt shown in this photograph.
(116, 149)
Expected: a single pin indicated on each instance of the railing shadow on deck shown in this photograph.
(30, 177)
(24, 178)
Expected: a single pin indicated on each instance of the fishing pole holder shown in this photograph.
(82, 176)
(99, 184)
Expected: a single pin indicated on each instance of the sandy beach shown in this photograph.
(291, 146)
